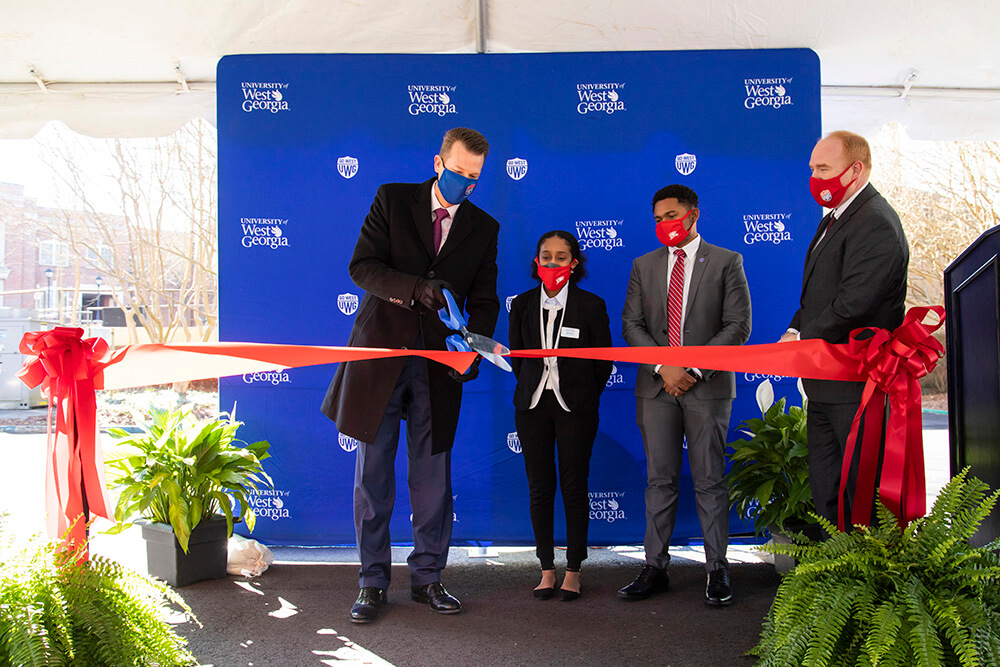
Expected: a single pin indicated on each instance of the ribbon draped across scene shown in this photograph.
(71, 369)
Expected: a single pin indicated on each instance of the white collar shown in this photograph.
(559, 300)
(436, 203)
(691, 249)
(840, 210)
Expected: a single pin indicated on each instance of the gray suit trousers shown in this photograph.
(664, 422)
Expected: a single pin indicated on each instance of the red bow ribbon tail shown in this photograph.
(69, 371)
(893, 365)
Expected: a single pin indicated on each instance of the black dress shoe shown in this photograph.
(369, 605)
(436, 597)
(650, 580)
(544, 593)
(719, 592)
(566, 595)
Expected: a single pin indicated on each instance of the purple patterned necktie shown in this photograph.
(439, 215)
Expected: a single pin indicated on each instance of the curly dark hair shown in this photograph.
(682, 193)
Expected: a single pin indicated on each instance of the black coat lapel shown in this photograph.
(421, 214)
(461, 227)
(818, 246)
(534, 337)
(814, 250)
(571, 317)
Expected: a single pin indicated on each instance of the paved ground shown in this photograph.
(296, 614)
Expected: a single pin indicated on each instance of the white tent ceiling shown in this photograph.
(128, 68)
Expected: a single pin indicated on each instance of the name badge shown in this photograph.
(569, 332)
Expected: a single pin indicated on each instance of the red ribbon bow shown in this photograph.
(893, 364)
(70, 369)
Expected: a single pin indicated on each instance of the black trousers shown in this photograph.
(828, 426)
(540, 430)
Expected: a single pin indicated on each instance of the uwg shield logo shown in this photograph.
(517, 168)
(348, 303)
(513, 442)
(510, 300)
(347, 166)
(685, 163)
(347, 443)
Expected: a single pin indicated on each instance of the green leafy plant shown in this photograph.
(182, 471)
(888, 595)
(56, 611)
(769, 478)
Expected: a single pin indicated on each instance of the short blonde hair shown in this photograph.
(855, 147)
(474, 141)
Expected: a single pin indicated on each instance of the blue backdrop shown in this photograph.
(578, 141)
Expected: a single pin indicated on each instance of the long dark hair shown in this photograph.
(579, 271)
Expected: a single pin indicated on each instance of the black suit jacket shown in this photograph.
(855, 277)
(581, 381)
(394, 249)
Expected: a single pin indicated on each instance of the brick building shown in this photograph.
(42, 272)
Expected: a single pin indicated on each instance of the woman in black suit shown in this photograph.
(556, 401)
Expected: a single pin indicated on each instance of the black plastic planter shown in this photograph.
(205, 559)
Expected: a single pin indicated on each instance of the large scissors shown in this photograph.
(465, 340)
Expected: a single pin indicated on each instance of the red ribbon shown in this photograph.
(892, 365)
(69, 370)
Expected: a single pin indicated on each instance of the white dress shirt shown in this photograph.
(550, 327)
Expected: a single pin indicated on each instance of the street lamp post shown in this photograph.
(48, 287)
(98, 280)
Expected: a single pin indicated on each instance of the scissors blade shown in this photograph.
(491, 350)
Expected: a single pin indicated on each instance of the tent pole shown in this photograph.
(480, 26)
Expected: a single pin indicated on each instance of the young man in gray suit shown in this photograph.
(854, 276)
(689, 292)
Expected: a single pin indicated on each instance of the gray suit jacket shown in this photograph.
(718, 313)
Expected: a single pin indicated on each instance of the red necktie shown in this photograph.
(439, 215)
(675, 299)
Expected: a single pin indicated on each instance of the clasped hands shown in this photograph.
(676, 380)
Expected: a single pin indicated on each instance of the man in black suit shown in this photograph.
(855, 276)
(688, 292)
(418, 239)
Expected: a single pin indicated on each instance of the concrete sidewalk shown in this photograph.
(22, 483)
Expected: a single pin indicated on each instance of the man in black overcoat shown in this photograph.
(418, 239)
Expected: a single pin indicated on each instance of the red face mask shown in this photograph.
(829, 192)
(672, 232)
(554, 277)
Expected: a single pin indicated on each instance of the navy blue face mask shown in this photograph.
(455, 188)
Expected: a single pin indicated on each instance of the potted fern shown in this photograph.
(889, 595)
(190, 480)
(768, 480)
(59, 611)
